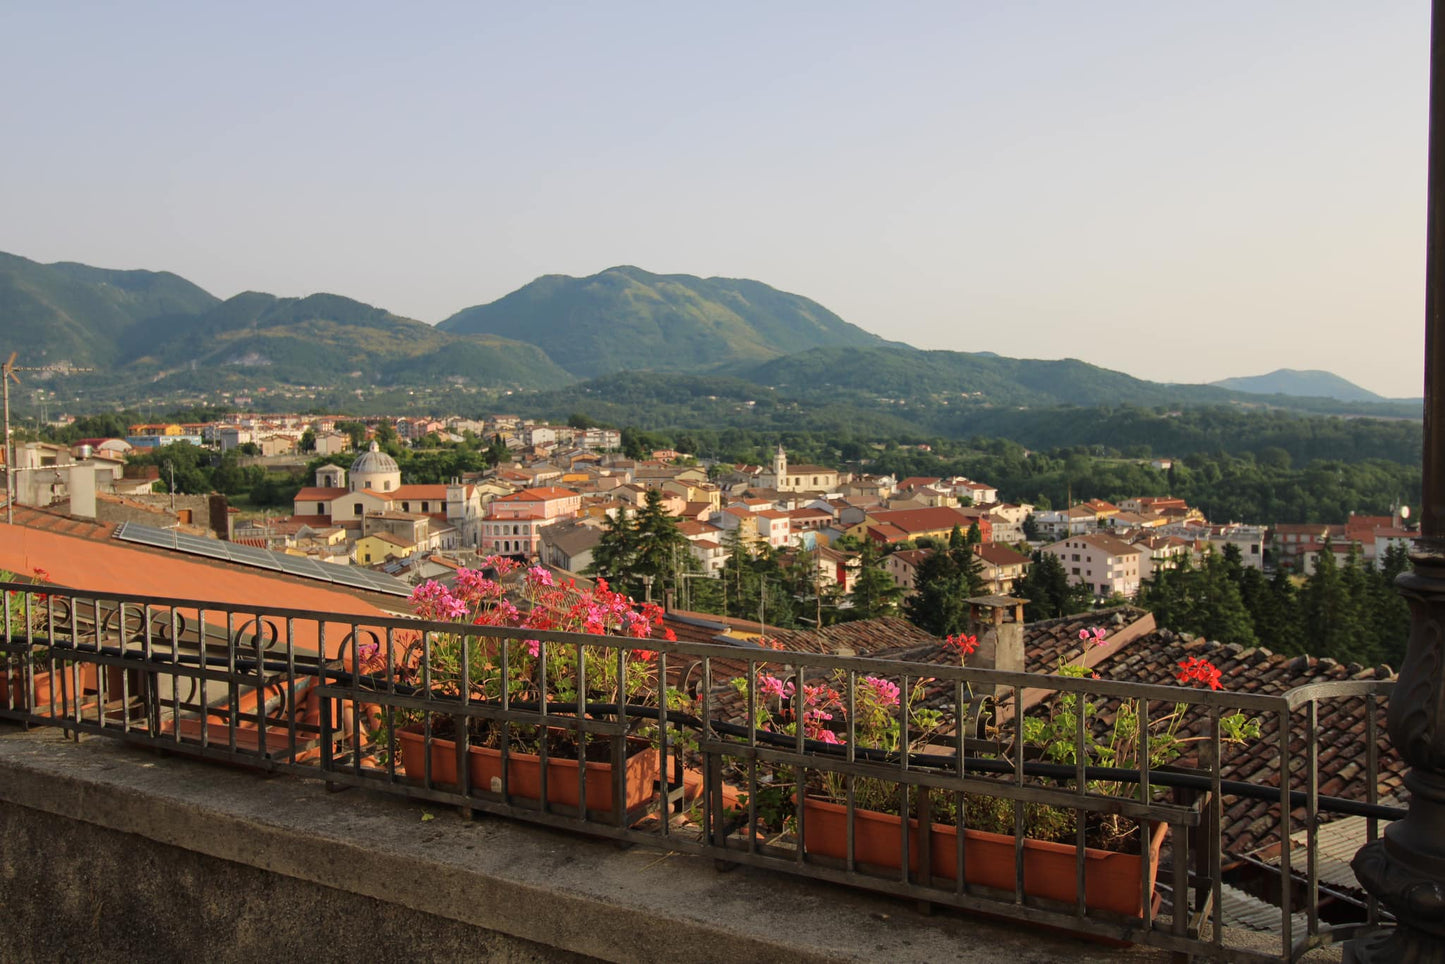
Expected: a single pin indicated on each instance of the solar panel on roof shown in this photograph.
(349, 577)
(254, 557)
(299, 566)
(214, 548)
(262, 558)
(146, 535)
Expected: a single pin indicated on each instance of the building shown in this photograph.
(373, 486)
(513, 524)
(797, 478)
(1002, 566)
(1107, 565)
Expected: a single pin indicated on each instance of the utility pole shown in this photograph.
(7, 372)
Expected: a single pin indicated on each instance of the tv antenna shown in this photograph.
(7, 373)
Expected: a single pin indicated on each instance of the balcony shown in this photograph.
(402, 710)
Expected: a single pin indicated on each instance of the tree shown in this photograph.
(308, 441)
(945, 581)
(356, 431)
(661, 550)
(613, 556)
(1046, 587)
(1330, 615)
(874, 591)
(1031, 528)
(939, 602)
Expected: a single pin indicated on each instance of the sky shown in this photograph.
(1184, 192)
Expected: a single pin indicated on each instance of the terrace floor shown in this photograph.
(112, 852)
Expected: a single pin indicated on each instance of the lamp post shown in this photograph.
(1405, 868)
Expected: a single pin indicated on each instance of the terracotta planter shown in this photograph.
(1111, 880)
(59, 684)
(524, 772)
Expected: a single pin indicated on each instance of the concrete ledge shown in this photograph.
(520, 892)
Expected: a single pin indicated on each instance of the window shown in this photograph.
(406, 507)
(321, 508)
(424, 507)
(386, 486)
(1076, 558)
(358, 510)
(1076, 572)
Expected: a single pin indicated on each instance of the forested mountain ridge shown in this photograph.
(154, 335)
(625, 318)
(74, 313)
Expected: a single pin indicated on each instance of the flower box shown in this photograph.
(57, 685)
(524, 772)
(1111, 880)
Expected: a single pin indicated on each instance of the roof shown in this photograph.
(538, 493)
(48, 521)
(930, 519)
(109, 567)
(1339, 734)
(910, 557)
(1101, 541)
(316, 493)
(394, 540)
(996, 554)
(374, 460)
(432, 491)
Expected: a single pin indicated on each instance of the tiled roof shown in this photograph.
(33, 518)
(996, 554)
(923, 520)
(911, 557)
(432, 491)
(537, 494)
(862, 637)
(1339, 735)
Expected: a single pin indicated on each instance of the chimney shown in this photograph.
(998, 622)
(220, 516)
(82, 491)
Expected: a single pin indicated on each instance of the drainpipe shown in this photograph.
(1405, 868)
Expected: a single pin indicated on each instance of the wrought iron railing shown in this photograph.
(468, 716)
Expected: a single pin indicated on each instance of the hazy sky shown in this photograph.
(1181, 191)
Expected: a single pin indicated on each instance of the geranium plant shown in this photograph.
(1112, 738)
(530, 671)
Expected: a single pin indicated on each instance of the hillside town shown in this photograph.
(553, 496)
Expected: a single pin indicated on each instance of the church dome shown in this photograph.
(373, 462)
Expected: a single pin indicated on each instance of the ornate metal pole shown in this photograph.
(1405, 868)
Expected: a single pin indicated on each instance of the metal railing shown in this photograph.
(489, 719)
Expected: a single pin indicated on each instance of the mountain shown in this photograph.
(903, 374)
(625, 318)
(75, 313)
(1307, 384)
(326, 340)
(746, 347)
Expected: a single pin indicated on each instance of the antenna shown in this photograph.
(7, 372)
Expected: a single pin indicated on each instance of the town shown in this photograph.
(784, 544)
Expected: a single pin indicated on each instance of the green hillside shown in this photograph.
(628, 319)
(902, 374)
(326, 339)
(76, 313)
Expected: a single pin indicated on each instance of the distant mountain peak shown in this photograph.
(1306, 383)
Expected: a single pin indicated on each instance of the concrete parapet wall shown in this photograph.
(110, 852)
